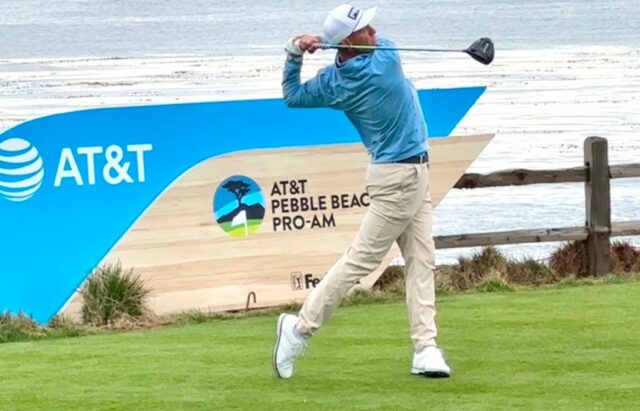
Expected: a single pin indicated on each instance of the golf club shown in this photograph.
(481, 50)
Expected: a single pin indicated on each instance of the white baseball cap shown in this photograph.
(344, 20)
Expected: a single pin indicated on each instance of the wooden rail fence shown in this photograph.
(596, 174)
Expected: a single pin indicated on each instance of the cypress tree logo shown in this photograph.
(239, 206)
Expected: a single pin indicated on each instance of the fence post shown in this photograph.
(598, 205)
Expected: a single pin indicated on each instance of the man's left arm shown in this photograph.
(316, 92)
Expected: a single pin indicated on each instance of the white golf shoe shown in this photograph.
(288, 346)
(430, 363)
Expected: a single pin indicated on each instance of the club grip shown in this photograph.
(323, 46)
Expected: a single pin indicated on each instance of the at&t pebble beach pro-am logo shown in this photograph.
(21, 169)
(239, 206)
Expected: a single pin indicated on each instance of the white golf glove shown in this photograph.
(293, 48)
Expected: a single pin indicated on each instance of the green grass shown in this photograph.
(238, 231)
(570, 348)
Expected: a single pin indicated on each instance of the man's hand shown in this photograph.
(296, 46)
(309, 43)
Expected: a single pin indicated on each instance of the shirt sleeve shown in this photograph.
(386, 56)
(316, 92)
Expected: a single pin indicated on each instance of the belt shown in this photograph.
(418, 159)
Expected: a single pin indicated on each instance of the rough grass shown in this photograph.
(491, 265)
(18, 327)
(624, 258)
(569, 348)
(21, 327)
(490, 270)
(486, 270)
(116, 297)
(571, 259)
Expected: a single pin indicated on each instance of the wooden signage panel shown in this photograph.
(196, 254)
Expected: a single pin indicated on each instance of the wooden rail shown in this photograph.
(521, 176)
(596, 174)
(531, 236)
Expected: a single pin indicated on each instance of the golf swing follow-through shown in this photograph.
(481, 50)
(367, 83)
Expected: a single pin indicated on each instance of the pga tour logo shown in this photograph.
(22, 168)
(300, 281)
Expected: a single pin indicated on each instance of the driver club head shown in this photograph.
(482, 50)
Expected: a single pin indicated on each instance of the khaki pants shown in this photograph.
(400, 210)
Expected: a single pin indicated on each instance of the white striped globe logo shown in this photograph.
(21, 169)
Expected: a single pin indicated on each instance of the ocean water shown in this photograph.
(134, 28)
(564, 70)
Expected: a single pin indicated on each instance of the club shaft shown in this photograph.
(342, 47)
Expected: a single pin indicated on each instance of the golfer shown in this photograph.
(383, 106)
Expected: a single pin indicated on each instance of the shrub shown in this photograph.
(112, 294)
(494, 282)
(470, 272)
(61, 322)
(18, 327)
(572, 259)
(389, 277)
(63, 326)
(624, 258)
(530, 272)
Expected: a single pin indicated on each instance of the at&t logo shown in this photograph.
(21, 169)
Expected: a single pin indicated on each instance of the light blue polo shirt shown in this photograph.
(375, 95)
